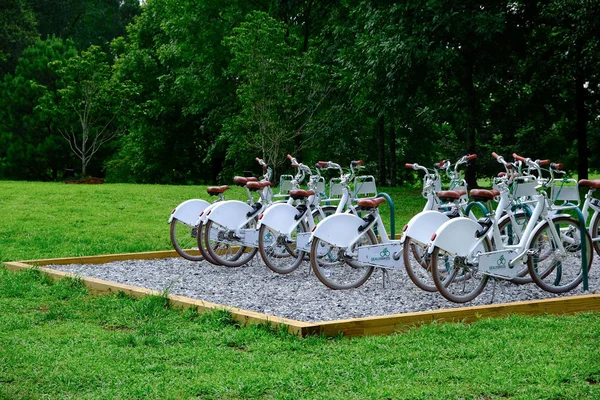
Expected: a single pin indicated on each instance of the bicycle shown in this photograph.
(184, 221)
(288, 227)
(550, 245)
(441, 206)
(227, 232)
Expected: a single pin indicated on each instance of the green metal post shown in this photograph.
(392, 213)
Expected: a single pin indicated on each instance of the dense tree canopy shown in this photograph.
(208, 85)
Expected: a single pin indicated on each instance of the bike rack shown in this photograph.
(479, 205)
(392, 212)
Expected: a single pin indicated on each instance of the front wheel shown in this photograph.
(337, 267)
(595, 231)
(184, 240)
(458, 278)
(551, 270)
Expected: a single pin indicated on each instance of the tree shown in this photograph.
(84, 110)
(279, 89)
(86, 22)
(30, 145)
(18, 30)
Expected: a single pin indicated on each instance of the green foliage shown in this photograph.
(211, 84)
(86, 22)
(85, 110)
(18, 31)
(279, 90)
(30, 145)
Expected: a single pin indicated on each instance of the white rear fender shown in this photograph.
(424, 224)
(281, 218)
(231, 214)
(207, 211)
(188, 212)
(339, 229)
(456, 236)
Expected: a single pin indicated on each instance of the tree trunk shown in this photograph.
(393, 165)
(470, 128)
(580, 115)
(381, 142)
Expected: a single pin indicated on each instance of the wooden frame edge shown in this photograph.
(96, 286)
(367, 326)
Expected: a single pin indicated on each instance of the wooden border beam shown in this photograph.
(379, 325)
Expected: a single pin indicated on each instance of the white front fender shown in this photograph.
(339, 229)
(188, 212)
(456, 236)
(232, 214)
(280, 218)
(423, 225)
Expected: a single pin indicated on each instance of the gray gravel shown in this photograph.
(298, 295)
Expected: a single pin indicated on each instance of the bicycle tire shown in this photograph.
(225, 253)
(280, 255)
(184, 240)
(202, 243)
(450, 276)
(555, 273)
(334, 269)
(417, 265)
(595, 231)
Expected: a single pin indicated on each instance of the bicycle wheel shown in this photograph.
(595, 231)
(225, 251)
(202, 243)
(552, 271)
(327, 211)
(416, 262)
(279, 251)
(184, 240)
(511, 229)
(337, 267)
(458, 278)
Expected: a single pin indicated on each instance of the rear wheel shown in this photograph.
(337, 267)
(226, 251)
(278, 251)
(458, 278)
(202, 243)
(550, 270)
(417, 264)
(184, 240)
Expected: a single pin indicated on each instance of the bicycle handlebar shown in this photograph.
(261, 162)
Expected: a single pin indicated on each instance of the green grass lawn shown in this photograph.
(57, 341)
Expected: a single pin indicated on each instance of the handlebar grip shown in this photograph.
(543, 162)
(295, 165)
(495, 155)
(357, 163)
(258, 159)
(472, 157)
(557, 166)
(409, 166)
(322, 163)
(289, 156)
(440, 164)
(518, 157)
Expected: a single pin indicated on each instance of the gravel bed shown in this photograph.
(299, 295)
